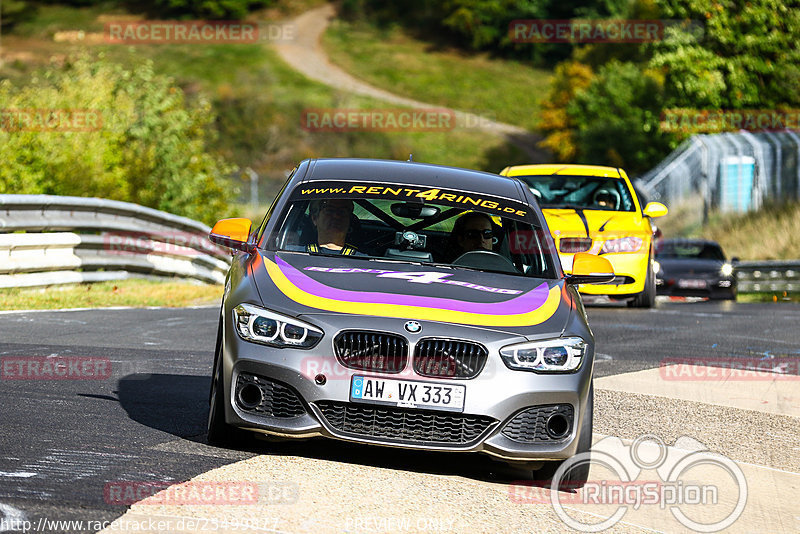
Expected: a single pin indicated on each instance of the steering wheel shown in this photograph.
(485, 259)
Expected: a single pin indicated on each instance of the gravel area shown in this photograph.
(330, 496)
(742, 435)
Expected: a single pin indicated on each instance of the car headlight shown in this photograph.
(727, 269)
(656, 267)
(269, 328)
(623, 244)
(552, 355)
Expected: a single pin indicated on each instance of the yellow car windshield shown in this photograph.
(583, 192)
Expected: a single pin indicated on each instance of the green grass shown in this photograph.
(772, 233)
(508, 91)
(49, 19)
(133, 292)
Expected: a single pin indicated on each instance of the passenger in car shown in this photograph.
(331, 218)
(472, 231)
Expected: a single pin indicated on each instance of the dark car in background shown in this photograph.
(694, 268)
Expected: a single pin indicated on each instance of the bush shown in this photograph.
(618, 117)
(150, 146)
(209, 9)
(14, 11)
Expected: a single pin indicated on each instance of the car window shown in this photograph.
(584, 192)
(705, 251)
(500, 235)
(272, 205)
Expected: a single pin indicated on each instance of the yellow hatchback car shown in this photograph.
(590, 208)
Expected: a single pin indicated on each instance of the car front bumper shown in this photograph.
(495, 398)
(712, 287)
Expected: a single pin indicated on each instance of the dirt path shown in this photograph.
(306, 55)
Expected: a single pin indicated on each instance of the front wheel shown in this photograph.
(647, 298)
(575, 477)
(220, 432)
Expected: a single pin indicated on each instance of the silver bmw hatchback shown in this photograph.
(406, 305)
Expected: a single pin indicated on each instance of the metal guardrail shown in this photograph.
(48, 240)
(768, 276)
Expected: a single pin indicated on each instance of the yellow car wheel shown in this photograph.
(647, 298)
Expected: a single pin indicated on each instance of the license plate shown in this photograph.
(407, 393)
(692, 284)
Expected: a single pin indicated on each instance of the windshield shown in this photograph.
(413, 229)
(584, 192)
(702, 251)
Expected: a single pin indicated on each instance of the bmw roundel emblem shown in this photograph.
(413, 327)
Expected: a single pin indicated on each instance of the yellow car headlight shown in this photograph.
(623, 244)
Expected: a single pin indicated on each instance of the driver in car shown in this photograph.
(604, 199)
(472, 231)
(331, 218)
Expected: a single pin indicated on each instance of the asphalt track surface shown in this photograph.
(63, 441)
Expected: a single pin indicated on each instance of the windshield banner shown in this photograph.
(413, 193)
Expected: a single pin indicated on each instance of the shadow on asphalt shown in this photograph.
(178, 405)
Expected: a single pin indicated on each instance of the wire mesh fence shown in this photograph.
(729, 172)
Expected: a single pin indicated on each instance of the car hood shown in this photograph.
(675, 266)
(576, 223)
(300, 284)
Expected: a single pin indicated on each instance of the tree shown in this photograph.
(212, 9)
(557, 125)
(15, 11)
(746, 57)
(147, 144)
(617, 118)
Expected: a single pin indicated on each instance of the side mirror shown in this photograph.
(590, 269)
(232, 233)
(655, 209)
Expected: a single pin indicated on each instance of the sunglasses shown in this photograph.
(482, 234)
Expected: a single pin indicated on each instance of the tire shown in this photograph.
(647, 298)
(576, 477)
(219, 432)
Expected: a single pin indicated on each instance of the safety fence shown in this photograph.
(768, 276)
(49, 240)
(729, 172)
